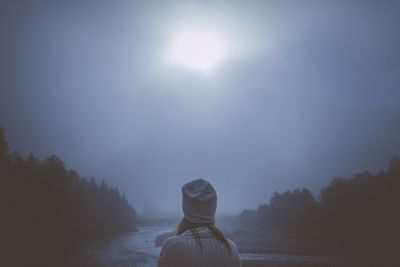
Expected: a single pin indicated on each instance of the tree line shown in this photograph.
(364, 209)
(48, 209)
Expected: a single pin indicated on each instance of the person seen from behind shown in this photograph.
(198, 242)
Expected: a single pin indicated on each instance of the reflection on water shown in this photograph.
(129, 249)
(138, 249)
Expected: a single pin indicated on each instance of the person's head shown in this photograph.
(199, 201)
(199, 204)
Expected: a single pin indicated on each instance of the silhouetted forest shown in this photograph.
(363, 210)
(48, 209)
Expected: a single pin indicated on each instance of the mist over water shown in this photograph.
(108, 108)
(307, 94)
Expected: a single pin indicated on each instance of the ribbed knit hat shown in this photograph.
(199, 201)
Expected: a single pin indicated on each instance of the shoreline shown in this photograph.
(251, 255)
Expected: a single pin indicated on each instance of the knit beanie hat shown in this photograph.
(199, 201)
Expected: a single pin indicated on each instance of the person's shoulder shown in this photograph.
(232, 245)
(170, 247)
(170, 251)
(173, 241)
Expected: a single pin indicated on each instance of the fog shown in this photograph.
(309, 91)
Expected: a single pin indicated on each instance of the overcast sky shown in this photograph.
(309, 91)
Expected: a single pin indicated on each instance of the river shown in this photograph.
(138, 249)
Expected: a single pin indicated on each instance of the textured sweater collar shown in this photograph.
(203, 232)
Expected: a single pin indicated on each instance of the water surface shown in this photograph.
(138, 249)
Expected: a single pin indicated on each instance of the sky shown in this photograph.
(305, 91)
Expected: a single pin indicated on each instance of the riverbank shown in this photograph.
(260, 247)
(138, 249)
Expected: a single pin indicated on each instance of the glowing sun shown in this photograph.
(199, 50)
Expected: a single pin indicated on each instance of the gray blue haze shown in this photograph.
(311, 93)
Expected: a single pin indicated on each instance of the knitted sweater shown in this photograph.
(184, 251)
